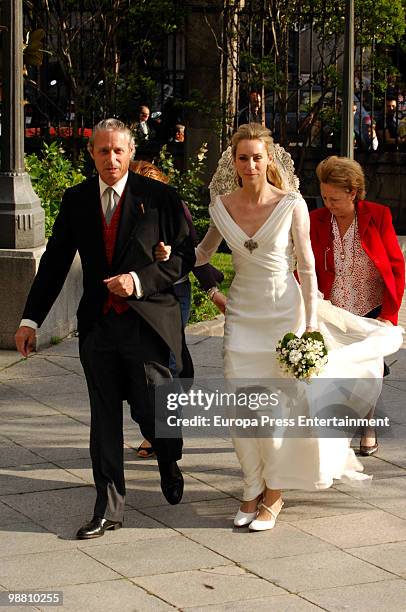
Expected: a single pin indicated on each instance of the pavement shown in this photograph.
(339, 549)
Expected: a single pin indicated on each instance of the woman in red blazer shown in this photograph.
(359, 264)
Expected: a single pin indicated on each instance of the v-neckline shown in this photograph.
(261, 227)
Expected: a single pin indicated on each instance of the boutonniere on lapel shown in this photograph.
(141, 208)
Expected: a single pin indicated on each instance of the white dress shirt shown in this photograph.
(118, 189)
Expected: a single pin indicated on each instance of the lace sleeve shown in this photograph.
(209, 245)
(305, 260)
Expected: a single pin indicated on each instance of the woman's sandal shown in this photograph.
(258, 525)
(145, 452)
(367, 451)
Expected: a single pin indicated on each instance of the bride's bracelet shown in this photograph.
(212, 291)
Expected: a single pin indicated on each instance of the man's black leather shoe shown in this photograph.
(96, 528)
(171, 481)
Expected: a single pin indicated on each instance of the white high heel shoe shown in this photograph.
(257, 525)
(244, 518)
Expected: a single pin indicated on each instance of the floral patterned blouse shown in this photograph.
(358, 285)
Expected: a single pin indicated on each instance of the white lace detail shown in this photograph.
(225, 178)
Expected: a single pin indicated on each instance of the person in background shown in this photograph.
(359, 264)
(143, 129)
(387, 124)
(179, 133)
(253, 113)
(207, 275)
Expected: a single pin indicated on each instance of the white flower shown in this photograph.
(295, 356)
(302, 358)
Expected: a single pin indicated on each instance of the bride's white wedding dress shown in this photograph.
(264, 303)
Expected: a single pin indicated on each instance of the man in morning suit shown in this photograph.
(128, 317)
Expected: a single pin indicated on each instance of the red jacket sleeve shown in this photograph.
(397, 263)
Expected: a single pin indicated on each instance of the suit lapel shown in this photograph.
(91, 220)
(132, 209)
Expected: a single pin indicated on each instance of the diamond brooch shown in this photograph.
(251, 245)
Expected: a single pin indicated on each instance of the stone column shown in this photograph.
(21, 215)
(347, 131)
(22, 227)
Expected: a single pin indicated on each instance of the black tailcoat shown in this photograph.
(151, 212)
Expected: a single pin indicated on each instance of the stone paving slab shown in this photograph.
(396, 455)
(140, 496)
(52, 569)
(385, 493)
(68, 348)
(160, 555)
(40, 506)
(8, 358)
(218, 455)
(11, 395)
(73, 405)
(209, 351)
(43, 388)
(352, 530)
(122, 595)
(25, 537)
(391, 557)
(280, 603)
(69, 364)
(208, 586)
(380, 468)
(389, 596)
(210, 524)
(317, 571)
(9, 516)
(38, 477)
(14, 455)
(317, 504)
(27, 408)
(32, 368)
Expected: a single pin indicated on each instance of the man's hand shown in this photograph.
(162, 251)
(122, 285)
(25, 340)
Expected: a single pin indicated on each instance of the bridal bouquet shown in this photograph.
(303, 357)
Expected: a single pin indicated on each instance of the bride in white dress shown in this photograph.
(265, 221)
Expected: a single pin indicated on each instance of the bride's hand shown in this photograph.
(310, 329)
(386, 321)
(220, 300)
(162, 251)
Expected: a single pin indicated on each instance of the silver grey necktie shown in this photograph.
(111, 204)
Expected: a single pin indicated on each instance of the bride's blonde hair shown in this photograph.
(256, 131)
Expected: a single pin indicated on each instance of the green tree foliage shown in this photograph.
(110, 52)
(265, 59)
(189, 184)
(51, 174)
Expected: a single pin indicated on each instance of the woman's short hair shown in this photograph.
(256, 131)
(344, 173)
(145, 168)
